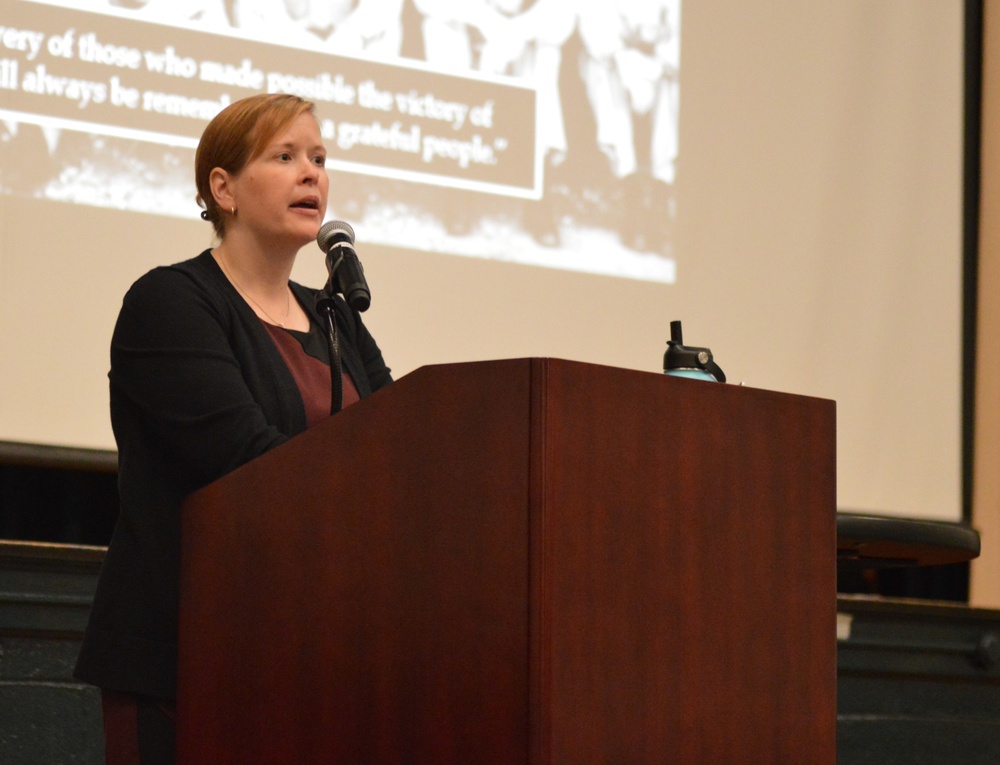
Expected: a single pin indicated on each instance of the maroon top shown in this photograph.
(304, 354)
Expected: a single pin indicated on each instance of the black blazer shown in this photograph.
(198, 388)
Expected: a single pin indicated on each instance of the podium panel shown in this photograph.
(523, 561)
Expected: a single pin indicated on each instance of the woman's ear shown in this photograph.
(221, 184)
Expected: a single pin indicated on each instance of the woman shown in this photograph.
(214, 361)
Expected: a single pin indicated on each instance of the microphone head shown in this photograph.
(333, 232)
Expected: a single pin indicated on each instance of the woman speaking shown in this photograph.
(214, 361)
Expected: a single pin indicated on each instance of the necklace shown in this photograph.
(248, 296)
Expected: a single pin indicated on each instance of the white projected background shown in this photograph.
(526, 179)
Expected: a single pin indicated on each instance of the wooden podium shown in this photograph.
(526, 561)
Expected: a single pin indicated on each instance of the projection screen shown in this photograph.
(544, 178)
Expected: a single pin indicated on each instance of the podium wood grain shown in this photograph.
(524, 561)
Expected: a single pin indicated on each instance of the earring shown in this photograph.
(233, 209)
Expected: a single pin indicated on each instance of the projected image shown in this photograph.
(534, 131)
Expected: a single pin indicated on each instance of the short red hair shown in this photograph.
(236, 136)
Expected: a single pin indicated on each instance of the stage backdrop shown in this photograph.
(527, 178)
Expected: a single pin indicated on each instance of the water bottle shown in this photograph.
(680, 360)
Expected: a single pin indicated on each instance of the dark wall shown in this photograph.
(57, 495)
(71, 497)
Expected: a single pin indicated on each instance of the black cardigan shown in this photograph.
(198, 388)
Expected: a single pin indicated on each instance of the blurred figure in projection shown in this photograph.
(349, 27)
(202, 12)
(374, 28)
(519, 38)
(630, 67)
(27, 157)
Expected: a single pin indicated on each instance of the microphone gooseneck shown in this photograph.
(347, 277)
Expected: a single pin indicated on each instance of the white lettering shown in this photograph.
(22, 40)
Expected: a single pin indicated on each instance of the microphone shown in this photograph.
(347, 276)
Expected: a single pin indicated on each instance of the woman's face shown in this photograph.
(280, 196)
